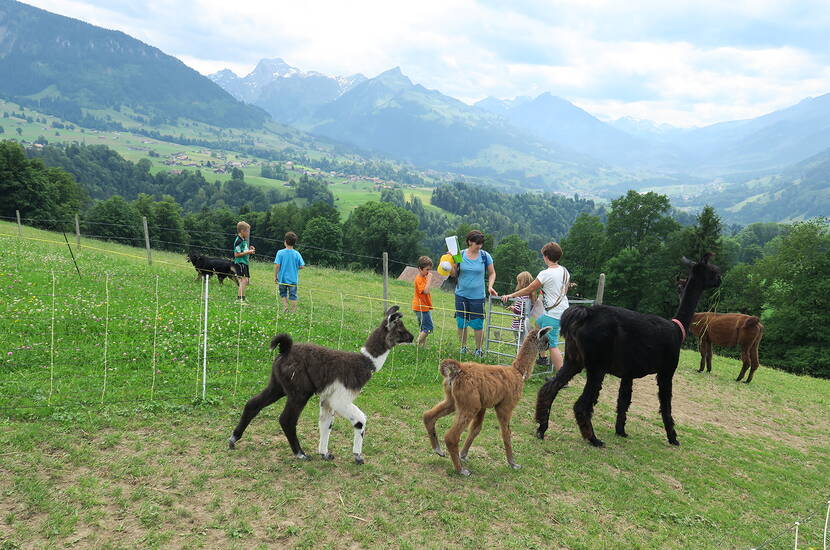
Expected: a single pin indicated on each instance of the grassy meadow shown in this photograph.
(106, 442)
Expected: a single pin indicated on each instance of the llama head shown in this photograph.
(537, 339)
(705, 273)
(394, 331)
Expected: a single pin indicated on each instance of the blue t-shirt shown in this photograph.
(471, 279)
(290, 261)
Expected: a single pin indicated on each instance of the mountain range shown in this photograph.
(71, 69)
(286, 93)
(62, 65)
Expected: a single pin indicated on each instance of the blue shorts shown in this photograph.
(288, 290)
(469, 312)
(548, 321)
(424, 320)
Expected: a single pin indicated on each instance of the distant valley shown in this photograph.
(769, 168)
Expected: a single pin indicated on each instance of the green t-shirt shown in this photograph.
(240, 245)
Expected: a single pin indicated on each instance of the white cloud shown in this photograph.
(690, 62)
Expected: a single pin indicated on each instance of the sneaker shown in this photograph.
(478, 353)
(463, 350)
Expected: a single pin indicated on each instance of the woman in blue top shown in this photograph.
(469, 292)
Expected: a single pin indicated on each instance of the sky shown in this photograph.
(685, 63)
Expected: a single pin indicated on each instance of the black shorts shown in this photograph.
(242, 270)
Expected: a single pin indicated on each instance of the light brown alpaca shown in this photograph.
(729, 330)
(472, 388)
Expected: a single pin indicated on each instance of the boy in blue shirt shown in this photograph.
(287, 266)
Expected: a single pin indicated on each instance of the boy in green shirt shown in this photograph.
(241, 251)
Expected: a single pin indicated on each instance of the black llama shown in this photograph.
(613, 340)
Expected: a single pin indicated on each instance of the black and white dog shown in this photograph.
(207, 265)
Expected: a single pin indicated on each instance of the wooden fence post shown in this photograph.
(147, 241)
(77, 232)
(19, 228)
(385, 281)
(600, 288)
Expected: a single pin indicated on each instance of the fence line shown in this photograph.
(52, 345)
(155, 334)
(106, 335)
(795, 527)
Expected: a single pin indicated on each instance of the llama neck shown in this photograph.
(376, 349)
(524, 361)
(688, 303)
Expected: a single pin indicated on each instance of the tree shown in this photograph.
(168, 225)
(394, 196)
(584, 252)
(797, 289)
(116, 219)
(321, 242)
(511, 257)
(377, 227)
(706, 236)
(639, 221)
(40, 193)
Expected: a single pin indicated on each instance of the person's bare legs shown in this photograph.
(479, 335)
(243, 284)
(462, 337)
(556, 359)
(293, 306)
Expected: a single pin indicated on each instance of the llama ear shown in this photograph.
(543, 333)
(392, 319)
(687, 262)
(706, 258)
(391, 310)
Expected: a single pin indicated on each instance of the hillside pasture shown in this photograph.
(107, 443)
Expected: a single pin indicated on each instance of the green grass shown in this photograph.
(144, 463)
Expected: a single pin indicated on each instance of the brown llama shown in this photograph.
(729, 330)
(472, 388)
(612, 340)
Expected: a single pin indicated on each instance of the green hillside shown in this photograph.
(128, 455)
(64, 65)
(27, 125)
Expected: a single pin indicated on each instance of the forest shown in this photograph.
(776, 271)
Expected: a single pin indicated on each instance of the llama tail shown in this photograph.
(752, 322)
(283, 341)
(449, 368)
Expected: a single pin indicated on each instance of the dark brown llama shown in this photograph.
(301, 370)
(471, 388)
(613, 340)
(729, 330)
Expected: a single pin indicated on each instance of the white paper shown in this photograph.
(452, 245)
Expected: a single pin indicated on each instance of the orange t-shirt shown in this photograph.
(421, 301)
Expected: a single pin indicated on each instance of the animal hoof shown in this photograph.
(674, 442)
(231, 443)
(622, 433)
(464, 472)
(301, 456)
(596, 442)
(439, 452)
(515, 466)
(463, 457)
(540, 433)
(358, 459)
(327, 456)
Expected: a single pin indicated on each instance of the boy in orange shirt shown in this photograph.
(422, 301)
